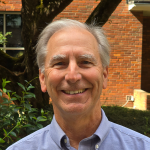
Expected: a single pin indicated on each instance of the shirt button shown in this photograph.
(96, 146)
(65, 140)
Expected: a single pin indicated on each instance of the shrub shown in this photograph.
(17, 121)
(136, 120)
(3, 38)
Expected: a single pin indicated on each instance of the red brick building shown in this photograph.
(128, 31)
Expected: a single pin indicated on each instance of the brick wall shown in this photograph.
(124, 31)
(78, 10)
(146, 55)
(10, 5)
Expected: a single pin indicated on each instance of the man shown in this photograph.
(73, 61)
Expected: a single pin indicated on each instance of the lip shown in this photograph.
(79, 98)
(74, 92)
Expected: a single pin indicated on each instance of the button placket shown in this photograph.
(65, 141)
(96, 146)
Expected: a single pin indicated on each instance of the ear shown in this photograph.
(42, 81)
(105, 77)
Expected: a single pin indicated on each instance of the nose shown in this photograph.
(73, 75)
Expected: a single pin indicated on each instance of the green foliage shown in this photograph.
(147, 126)
(137, 120)
(17, 121)
(3, 38)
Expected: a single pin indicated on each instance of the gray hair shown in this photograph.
(50, 29)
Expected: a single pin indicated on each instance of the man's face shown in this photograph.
(74, 76)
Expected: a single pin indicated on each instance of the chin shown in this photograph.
(75, 108)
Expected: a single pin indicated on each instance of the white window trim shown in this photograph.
(4, 30)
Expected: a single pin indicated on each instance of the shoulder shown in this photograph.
(128, 132)
(31, 141)
(130, 137)
(120, 137)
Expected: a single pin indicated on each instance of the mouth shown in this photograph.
(74, 92)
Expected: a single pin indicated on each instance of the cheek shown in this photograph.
(54, 78)
(94, 76)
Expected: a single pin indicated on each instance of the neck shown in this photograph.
(79, 127)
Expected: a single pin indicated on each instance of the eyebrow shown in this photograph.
(84, 56)
(57, 58)
(88, 57)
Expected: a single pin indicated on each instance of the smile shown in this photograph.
(74, 92)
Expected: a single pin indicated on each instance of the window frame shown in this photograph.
(4, 31)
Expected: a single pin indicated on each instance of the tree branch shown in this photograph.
(9, 62)
(102, 12)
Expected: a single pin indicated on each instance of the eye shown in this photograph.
(86, 62)
(59, 64)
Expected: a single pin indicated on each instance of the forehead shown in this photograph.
(74, 39)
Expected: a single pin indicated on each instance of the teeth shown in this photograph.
(74, 92)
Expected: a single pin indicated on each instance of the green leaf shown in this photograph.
(7, 122)
(9, 91)
(10, 138)
(26, 81)
(22, 86)
(18, 96)
(18, 123)
(4, 83)
(27, 106)
(13, 99)
(34, 118)
(33, 110)
(27, 125)
(41, 118)
(39, 126)
(2, 141)
(4, 90)
(30, 87)
(28, 96)
(5, 131)
(13, 134)
(29, 93)
(4, 99)
(42, 112)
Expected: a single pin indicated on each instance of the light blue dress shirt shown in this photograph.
(108, 136)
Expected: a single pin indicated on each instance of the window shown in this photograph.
(11, 22)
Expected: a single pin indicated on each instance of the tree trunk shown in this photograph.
(103, 11)
(36, 14)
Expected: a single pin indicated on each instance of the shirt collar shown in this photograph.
(104, 127)
(58, 134)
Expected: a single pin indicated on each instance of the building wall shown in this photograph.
(10, 5)
(124, 30)
(78, 10)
